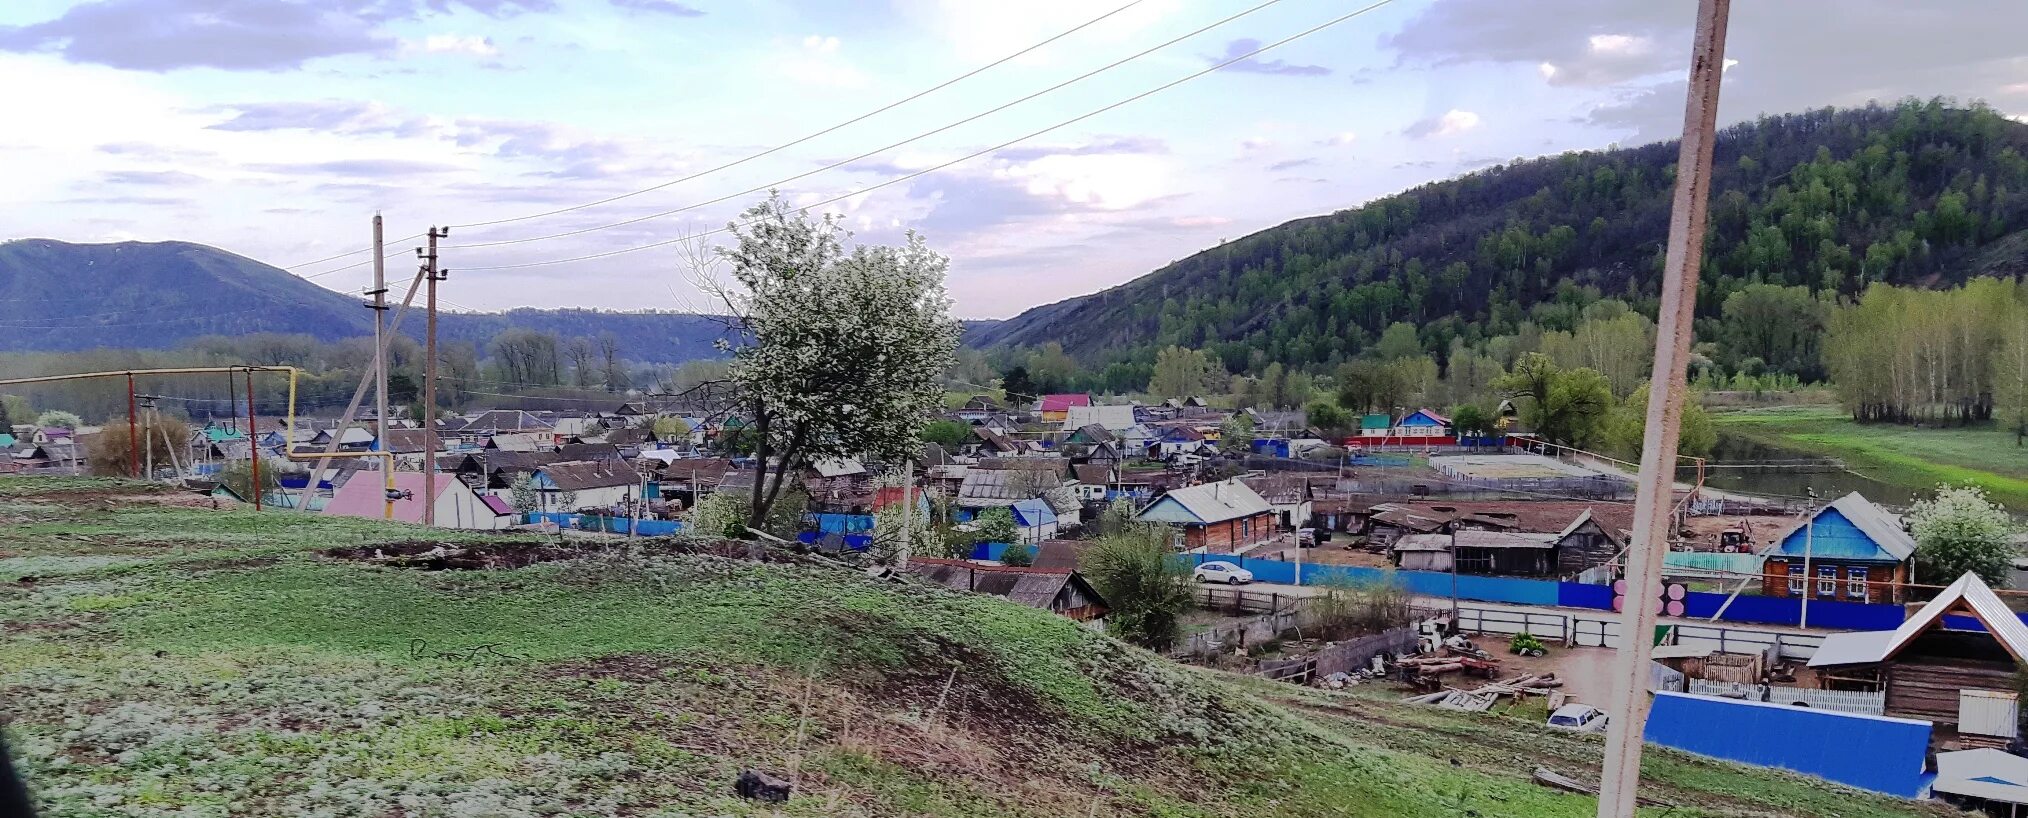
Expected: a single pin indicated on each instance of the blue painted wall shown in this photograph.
(1869, 752)
(1833, 537)
(610, 525)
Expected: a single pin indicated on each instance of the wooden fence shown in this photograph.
(1339, 657)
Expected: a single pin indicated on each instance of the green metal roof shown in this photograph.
(1376, 421)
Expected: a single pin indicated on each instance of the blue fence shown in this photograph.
(993, 550)
(1869, 752)
(1422, 583)
(609, 525)
(856, 542)
(841, 523)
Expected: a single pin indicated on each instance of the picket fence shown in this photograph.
(1843, 701)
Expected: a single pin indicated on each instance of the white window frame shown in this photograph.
(1827, 580)
(1855, 584)
(1795, 581)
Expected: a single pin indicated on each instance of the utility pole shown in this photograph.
(434, 275)
(1809, 546)
(133, 432)
(907, 513)
(379, 308)
(253, 446)
(1622, 776)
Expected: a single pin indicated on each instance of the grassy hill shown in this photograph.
(1912, 458)
(1916, 194)
(157, 659)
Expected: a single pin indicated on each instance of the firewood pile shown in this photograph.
(1483, 697)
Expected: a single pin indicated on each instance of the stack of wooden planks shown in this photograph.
(1483, 697)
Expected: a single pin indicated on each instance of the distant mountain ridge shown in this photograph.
(57, 296)
(1922, 193)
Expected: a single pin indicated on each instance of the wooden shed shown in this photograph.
(1930, 669)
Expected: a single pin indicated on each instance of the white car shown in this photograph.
(1582, 718)
(1222, 571)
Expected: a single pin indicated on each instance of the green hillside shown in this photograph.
(1917, 194)
(166, 660)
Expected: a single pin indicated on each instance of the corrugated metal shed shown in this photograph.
(1869, 752)
(1986, 773)
(1967, 596)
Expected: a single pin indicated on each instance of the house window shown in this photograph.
(1795, 582)
(1855, 587)
(1827, 581)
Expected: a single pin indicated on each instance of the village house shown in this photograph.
(1057, 590)
(985, 488)
(1930, 669)
(1054, 408)
(686, 480)
(457, 505)
(1034, 521)
(1850, 550)
(1218, 518)
(1530, 539)
(1115, 418)
(592, 484)
(1290, 496)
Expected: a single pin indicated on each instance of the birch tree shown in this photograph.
(836, 353)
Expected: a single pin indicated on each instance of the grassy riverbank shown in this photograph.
(1906, 457)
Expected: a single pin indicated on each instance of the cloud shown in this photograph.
(143, 201)
(151, 177)
(1450, 123)
(326, 116)
(818, 63)
(1338, 140)
(1291, 164)
(1790, 56)
(669, 7)
(1101, 146)
(1254, 65)
(260, 35)
(459, 44)
(358, 167)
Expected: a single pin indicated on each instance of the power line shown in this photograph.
(876, 151)
(741, 161)
(965, 158)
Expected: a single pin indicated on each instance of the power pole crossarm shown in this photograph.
(1622, 777)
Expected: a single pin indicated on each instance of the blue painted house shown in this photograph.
(1035, 520)
(1423, 423)
(1849, 551)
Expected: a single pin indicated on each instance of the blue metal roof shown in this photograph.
(1032, 513)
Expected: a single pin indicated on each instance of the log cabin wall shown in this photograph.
(1927, 688)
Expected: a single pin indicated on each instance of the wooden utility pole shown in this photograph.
(907, 513)
(133, 432)
(1622, 777)
(253, 445)
(379, 308)
(429, 420)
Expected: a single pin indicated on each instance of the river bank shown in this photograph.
(1904, 460)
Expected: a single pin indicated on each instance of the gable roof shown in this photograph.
(1033, 587)
(1003, 487)
(1108, 417)
(590, 474)
(1375, 421)
(1033, 512)
(1062, 403)
(368, 498)
(1880, 535)
(588, 451)
(1060, 554)
(1427, 418)
(1094, 474)
(1207, 503)
(399, 441)
(1968, 596)
(507, 420)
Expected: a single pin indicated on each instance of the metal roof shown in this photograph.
(1112, 418)
(1471, 538)
(1985, 773)
(1882, 532)
(1423, 542)
(1968, 596)
(1209, 503)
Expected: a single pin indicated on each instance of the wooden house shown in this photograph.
(1849, 551)
(1055, 408)
(1932, 670)
(1057, 590)
(1217, 517)
(1289, 494)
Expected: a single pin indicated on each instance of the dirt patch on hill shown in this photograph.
(441, 556)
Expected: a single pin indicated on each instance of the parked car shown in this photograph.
(1582, 718)
(1306, 538)
(1222, 571)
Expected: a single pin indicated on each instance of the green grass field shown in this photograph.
(1910, 458)
(162, 660)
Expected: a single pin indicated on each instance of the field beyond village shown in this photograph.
(1911, 458)
(162, 658)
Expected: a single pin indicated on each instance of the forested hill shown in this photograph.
(1919, 193)
(58, 296)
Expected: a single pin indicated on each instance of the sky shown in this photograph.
(276, 128)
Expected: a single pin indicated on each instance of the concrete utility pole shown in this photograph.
(253, 444)
(907, 513)
(379, 308)
(1622, 776)
(434, 275)
(133, 432)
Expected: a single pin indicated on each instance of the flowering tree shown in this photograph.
(838, 352)
(1960, 531)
